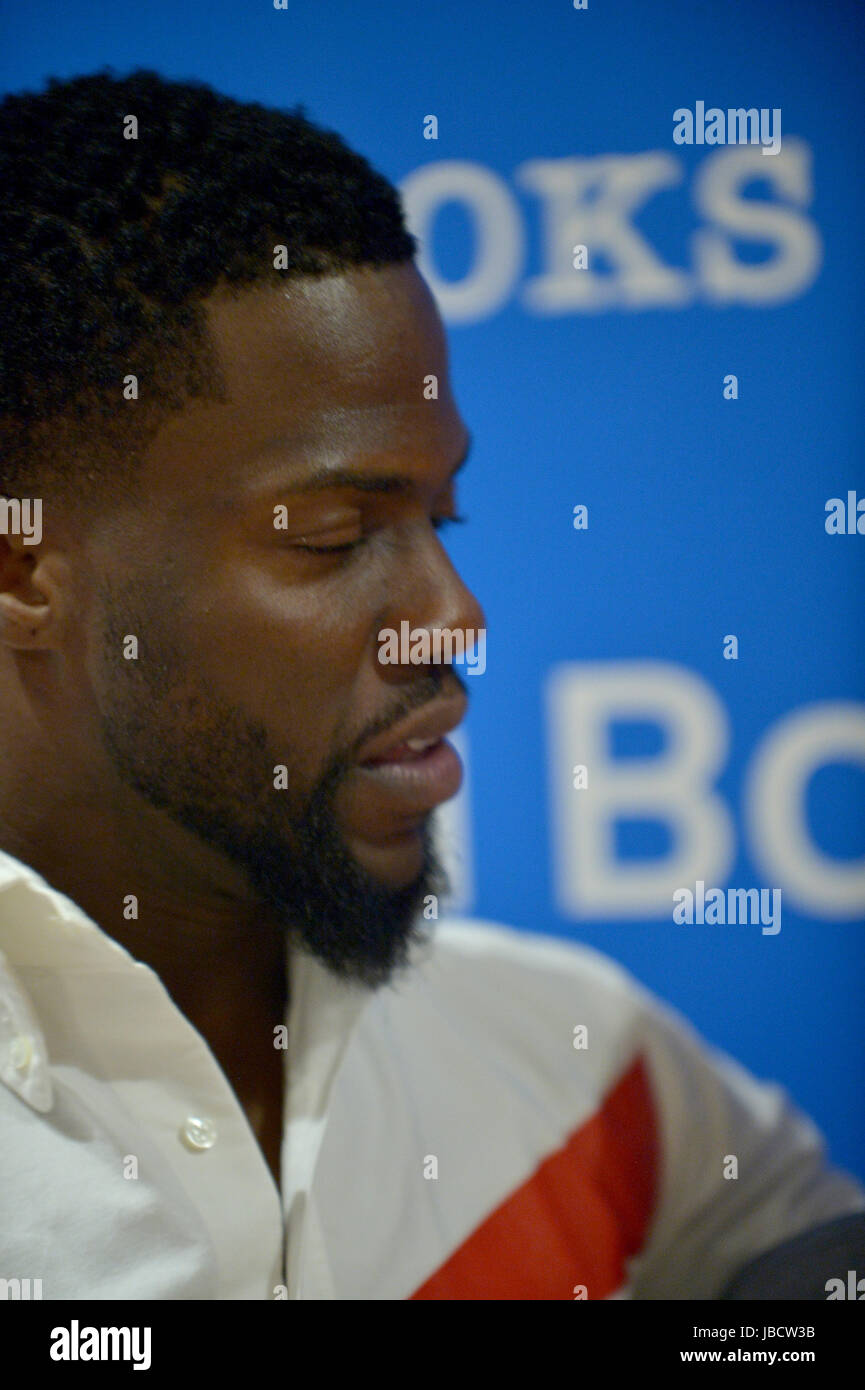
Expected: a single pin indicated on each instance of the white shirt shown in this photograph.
(514, 1118)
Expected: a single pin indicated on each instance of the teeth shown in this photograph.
(417, 745)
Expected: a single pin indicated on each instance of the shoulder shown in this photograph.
(519, 993)
(487, 945)
(487, 957)
(515, 994)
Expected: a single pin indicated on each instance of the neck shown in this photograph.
(157, 890)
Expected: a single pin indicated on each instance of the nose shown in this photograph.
(432, 613)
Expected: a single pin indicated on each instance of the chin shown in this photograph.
(395, 863)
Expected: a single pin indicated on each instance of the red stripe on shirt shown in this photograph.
(581, 1214)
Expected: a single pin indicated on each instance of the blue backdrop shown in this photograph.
(690, 378)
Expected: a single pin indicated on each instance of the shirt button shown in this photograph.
(198, 1133)
(21, 1052)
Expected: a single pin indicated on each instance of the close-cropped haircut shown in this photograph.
(109, 245)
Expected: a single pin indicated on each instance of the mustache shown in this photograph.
(440, 682)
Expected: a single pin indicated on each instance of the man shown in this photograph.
(239, 1059)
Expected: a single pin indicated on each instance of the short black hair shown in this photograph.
(109, 245)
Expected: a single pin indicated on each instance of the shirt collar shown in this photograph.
(42, 929)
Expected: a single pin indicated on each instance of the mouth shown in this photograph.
(413, 765)
(425, 776)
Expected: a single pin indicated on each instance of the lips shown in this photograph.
(409, 751)
(411, 768)
(413, 737)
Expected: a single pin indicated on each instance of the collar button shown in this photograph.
(198, 1133)
(21, 1053)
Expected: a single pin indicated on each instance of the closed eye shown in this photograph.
(332, 549)
(439, 522)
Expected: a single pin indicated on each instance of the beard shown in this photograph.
(210, 767)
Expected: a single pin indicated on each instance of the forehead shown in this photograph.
(334, 364)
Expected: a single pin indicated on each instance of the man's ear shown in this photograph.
(30, 595)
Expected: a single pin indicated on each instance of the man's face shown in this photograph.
(258, 644)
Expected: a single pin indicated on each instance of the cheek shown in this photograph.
(292, 656)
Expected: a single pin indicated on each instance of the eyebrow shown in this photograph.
(322, 479)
